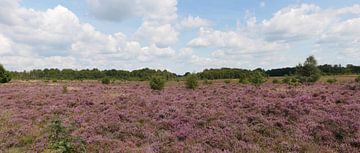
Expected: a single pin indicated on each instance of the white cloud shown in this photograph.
(191, 22)
(154, 33)
(234, 42)
(57, 38)
(118, 10)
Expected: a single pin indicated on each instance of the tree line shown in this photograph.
(147, 74)
(325, 69)
(92, 74)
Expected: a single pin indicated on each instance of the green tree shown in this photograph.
(308, 72)
(4, 75)
(191, 81)
(257, 78)
(157, 83)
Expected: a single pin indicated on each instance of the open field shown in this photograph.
(130, 117)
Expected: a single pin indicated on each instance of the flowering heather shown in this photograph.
(130, 117)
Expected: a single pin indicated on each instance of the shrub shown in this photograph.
(61, 141)
(308, 72)
(105, 80)
(331, 81)
(275, 81)
(286, 80)
(243, 79)
(257, 78)
(157, 83)
(191, 81)
(207, 82)
(357, 79)
(227, 81)
(4, 75)
(65, 89)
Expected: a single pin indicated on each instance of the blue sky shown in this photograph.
(178, 35)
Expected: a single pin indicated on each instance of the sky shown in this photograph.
(177, 35)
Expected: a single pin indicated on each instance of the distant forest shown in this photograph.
(146, 73)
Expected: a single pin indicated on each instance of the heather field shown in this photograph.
(219, 117)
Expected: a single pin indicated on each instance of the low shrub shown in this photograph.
(357, 79)
(191, 82)
(157, 83)
(105, 80)
(227, 81)
(64, 89)
(257, 78)
(61, 141)
(243, 79)
(331, 81)
(275, 81)
(207, 82)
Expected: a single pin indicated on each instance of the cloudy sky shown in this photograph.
(178, 35)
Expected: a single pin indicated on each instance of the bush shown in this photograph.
(257, 78)
(61, 141)
(275, 81)
(4, 75)
(243, 79)
(227, 81)
(106, 80)
(286, 80)
(65, 89)
(191, 82)
(207, 82)
(157, 83)
(331, 81)
(308, 72)
(357, 79)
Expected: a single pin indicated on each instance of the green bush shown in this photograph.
(286, 80)
(105, 80)
(331, 81)
(191, 82)
(157, 83)
(257, 78)
(207, 82)
(243, 79)
(227, 81)
(4, 75)
(61, 141)
(308, 72)
(357, 79)
(275, 81)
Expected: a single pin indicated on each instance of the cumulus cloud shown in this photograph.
(118, 10)
(57, 36)
(191, 22)
(234, 42)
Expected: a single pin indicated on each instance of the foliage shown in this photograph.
(308, 72)
(61, 141)
(257, 78)
(157, 83)
(331, 80)
(191, 81)
(244, 79)
(64, 89)
(227, 81)
(357, 79)
(207, 82)
(4, 75)
(275, 81)
(92, 74)
(224, 118)
(105, 80)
